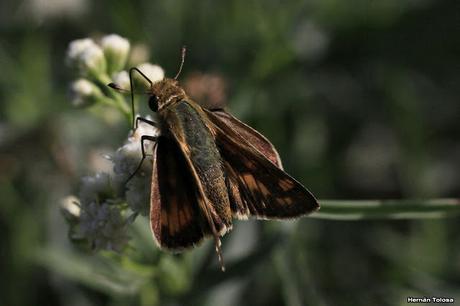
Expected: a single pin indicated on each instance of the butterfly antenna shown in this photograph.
(184, 50)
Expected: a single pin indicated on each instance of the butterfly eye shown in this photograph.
(153, 103)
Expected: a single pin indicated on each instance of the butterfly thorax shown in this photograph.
(167, 92)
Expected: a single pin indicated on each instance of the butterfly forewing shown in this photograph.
(175, 217)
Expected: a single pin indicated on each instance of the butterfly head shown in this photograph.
(165, 92)
(161, 93)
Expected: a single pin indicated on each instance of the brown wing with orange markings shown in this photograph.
(257, 187)
(259, 141)
(175, 217)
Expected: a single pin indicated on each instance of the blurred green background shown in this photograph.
(360, 97)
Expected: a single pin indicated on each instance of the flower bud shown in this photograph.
(87, 57)
(77, 47)
(84, 93)
(116, 50)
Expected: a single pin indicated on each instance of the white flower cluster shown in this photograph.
(109, 202)
(100, 216)
(95, 217)
(99, 64)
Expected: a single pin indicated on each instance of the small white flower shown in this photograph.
(103, 226)
(84, 92)
(70, 208)
(87, 57)
(116, 50)
(96, 188)
(77, 47)
(122, 79)
(114, 42)
(93, 61)
(100, 221)
(83, 87)
(132, 147)
(154, 72)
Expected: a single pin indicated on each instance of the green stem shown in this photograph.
(387, 209)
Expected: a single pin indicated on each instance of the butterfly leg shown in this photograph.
(143, 138)
(150, 122)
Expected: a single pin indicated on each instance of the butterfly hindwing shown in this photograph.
(257, 187)
(175, 217)
(262, 144)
